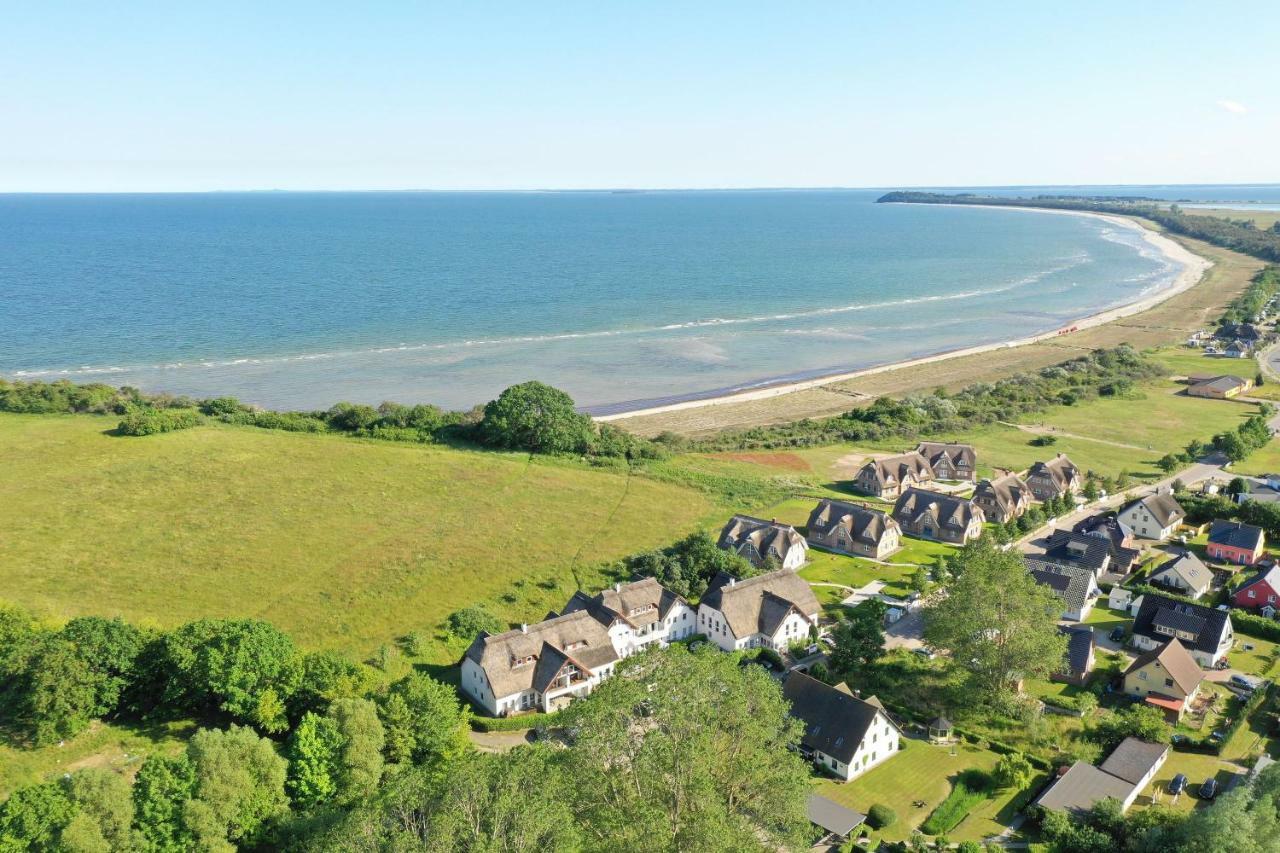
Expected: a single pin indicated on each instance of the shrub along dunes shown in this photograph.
(343, 543)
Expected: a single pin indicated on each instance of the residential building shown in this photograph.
(932, 515)
(1184, 574)
(1078, 661)
(1235, 542)
(1123, 545)
(1167, 678)
(538, 667)
(771, 610)
(950, 461)
(1153, 517)
(1075, 585)
(1003, 498)
(638, 615)
(1126, 772)
(853, 529)
(889, 476)
(1261, 590)
(1237, 349)
(761, 541)
(1205, 632)
(1068, 548)
(843, 734)
(1218, 387)
(1052, 479)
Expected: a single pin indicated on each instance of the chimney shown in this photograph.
(524, 627)
(617, 587)
(732, 581)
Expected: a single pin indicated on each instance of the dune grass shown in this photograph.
(344, 543)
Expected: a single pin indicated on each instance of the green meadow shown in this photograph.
(343, 543)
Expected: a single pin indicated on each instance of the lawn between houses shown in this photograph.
(924, 772)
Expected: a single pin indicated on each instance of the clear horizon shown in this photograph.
(297, 97)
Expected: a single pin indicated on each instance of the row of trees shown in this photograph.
(1101, 373)
(687, 567)
(679, 750)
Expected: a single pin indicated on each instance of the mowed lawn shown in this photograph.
(343, 543)
(923, 772)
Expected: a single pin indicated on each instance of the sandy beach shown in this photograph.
(1193, 269)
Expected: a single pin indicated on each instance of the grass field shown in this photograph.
(924, 772)
(343, 543)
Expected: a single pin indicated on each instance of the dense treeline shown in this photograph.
(1101, 373)
(1238, 235)
(309, 751)
(1246, 306)
(688, 566)
(531, 416)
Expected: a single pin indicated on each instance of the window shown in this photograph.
(1252, 594)
(1168, 682)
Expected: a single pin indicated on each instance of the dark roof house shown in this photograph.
(1206, 632)
(1069, 548)
(835, 721)
(1235, 534)
(1124, 552)
(760, 541)
(1075, 585)
(1077, 663)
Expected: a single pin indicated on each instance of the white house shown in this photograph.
(1152, 517)
(1206, 632)
(545, 666)
(760, 541)
(843, 734)
(771, 610)
(1184, 574)
(538, 667)
(638, 615)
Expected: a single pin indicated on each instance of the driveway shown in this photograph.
(906, 633)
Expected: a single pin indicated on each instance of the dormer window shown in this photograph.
(576, 644)
(527, 659)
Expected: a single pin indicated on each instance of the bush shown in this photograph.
(881, 816)
(971, 788)
(152, 421)
(468, 622)
(513, 724)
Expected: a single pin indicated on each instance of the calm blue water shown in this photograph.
(299, 300)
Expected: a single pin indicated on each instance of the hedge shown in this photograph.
(972, 788)
(512, 724)
(1252, 625)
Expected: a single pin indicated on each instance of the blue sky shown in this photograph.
(142, 96)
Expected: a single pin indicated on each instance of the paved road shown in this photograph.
(1208, 467)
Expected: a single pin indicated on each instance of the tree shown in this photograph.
(859, 640)
(359, 759)
(160, 792)
(1237, 486)
(1091, 491)
(1140, 721)
(920, 579)
(997, 622)
(538, 418)
(104, 803)
(239, 785)
(634, 786)
(33, 817)
(1013, 771)
(424, 721)
(245, 668)
(313, 759)
(57, 691)
(326, 678)
(1168, 463)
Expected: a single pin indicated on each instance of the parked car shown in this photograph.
(1117, 635)
(1179, 784)
(1244, 682)
(1209, 789)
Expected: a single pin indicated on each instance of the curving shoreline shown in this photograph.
(1193, 269)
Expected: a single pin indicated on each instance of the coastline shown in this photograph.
(1193, 269)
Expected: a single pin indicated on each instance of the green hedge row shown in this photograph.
(153, 421)
(512, 724)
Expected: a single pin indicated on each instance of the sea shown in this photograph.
(624, 298)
